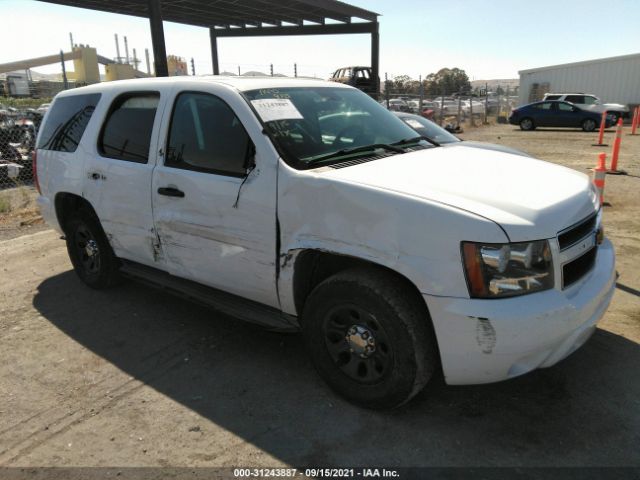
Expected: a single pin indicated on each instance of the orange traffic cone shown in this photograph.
(599, 174)
(616, 151)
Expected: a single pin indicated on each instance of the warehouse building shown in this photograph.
(613, 80)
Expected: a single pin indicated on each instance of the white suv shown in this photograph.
(592, 103)
(299, 204)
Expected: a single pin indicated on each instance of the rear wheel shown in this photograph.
(589, 125)
(527, 124)
(89, 250)
(370, 337)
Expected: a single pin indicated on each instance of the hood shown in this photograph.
(489, 146)
(530, 199)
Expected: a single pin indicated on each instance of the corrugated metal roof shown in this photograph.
(234, 13)
(633, 56)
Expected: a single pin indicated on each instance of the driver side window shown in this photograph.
(206, 136)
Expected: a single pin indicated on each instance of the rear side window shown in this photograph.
(543, 106)
(126, 133)
(206, 136)
(66, 122)
(574, 98)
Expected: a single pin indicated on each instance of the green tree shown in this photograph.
(447, 81)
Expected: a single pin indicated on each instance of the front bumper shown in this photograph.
(483, 341)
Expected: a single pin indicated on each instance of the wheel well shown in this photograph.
(66, 204)
(314, 266)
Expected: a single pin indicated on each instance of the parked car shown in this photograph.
(398, 105)
(590, 103)
(42, 109)
(359, 77)
(556, 114)
(437, 134)
(393, 256)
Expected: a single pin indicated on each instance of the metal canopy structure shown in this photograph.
(244, 18)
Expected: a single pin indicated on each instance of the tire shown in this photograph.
(89, 250)
(527, 124)
(340, 317)
(589, 125)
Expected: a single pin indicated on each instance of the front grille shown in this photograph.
(576, 269)
(577, 232)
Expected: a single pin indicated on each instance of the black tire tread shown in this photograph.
(409, 308)
(110, 274)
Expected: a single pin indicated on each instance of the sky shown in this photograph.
(489, 39)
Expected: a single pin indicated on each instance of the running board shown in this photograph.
(223, 302)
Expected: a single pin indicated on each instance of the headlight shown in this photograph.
(505, 270)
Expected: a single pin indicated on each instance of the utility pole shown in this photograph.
(386, 88)
(135, 60)
(193, 67)
(421, 96)
(295, 70)
(146, 54)
(238, 70)
(117, 49)
(486, 101)
(64, 71)
(126, 50)
(71, 40)
(271, 69)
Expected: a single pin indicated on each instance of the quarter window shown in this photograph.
(206, 136)
(66, 122)
(126, 134)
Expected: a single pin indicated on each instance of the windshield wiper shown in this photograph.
(417, 139)
(364, 148)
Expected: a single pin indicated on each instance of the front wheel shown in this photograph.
(370, 337)
(589, 125)
(527, 124)
(89, 250)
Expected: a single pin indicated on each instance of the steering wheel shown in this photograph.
(356, 129)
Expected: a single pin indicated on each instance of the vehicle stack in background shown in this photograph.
(19, 127)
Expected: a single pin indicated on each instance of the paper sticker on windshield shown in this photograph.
(413, 123)
(271, 109)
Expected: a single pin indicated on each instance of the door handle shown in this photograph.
(96, 176)
(170, 192)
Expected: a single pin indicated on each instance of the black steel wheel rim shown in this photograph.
(87, 249)
(345, 347)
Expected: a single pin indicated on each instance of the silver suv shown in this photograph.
(590, 102)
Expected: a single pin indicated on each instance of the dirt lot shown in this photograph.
(133, 377)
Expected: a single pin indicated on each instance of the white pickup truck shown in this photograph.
(302, 204)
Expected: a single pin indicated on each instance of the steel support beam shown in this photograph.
(327, 29)
(157, 39)
(375, 59)
(214, 51)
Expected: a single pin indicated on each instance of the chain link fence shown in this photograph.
(451, 109)
(18, 131)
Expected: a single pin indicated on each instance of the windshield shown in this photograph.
(309, 124)
(429, 129)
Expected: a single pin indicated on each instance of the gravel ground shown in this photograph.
(133, 377)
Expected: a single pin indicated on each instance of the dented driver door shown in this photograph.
(214, 194)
